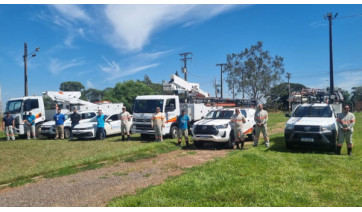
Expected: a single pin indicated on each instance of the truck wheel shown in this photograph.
(198, 144)
(145, 136)
(66, 133)
(251, 137)
(288, 145)
(174, 132)
(230, 143)
(38, 132)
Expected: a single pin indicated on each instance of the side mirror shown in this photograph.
(287, 115)
(202, 117)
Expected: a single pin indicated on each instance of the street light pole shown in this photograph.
(26, 66)
(331, 88)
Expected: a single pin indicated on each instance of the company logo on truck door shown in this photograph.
(172, 120)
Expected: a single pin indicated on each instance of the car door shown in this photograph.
(248, 124)
(113, 125)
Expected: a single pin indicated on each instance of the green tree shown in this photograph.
(126, 92)
(49, 104)
(278, 95)
(254, 70)
(356, 94)
(93, 95)
(71, 86)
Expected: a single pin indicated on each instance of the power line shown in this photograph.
(350, 16)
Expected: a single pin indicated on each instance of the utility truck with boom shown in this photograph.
(20, 107)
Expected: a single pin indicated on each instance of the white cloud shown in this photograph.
(56, 66)
(113, 70)
(133, 25)
(89, 84)
(347, 80)
(72, 12)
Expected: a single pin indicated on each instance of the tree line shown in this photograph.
(251, 73)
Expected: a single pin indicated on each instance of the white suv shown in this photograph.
(216, 127)
(312, 124)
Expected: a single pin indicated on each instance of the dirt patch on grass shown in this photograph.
(97, 187)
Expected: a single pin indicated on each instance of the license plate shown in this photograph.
(144, 131)
(307, 139)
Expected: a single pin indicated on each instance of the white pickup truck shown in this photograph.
(312, 124)
(216, 127)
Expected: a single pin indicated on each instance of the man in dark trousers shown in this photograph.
(100, 134)
(9, 126)
(75, 118)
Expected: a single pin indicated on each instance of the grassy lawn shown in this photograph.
(24, 159)
(264, 177)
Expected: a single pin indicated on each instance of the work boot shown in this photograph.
(241, 145)
(187, 144)
(350, 151)
(8, 138)
(178, 143)
(236, 145)
(338, 150)
(128, 137)
(256, 143)
(123, 138)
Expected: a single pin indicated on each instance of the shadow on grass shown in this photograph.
(278, 145)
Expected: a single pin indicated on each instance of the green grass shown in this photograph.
(23, 159)
(264, 177)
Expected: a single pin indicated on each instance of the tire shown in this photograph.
(174, 132)
(198, 144)
(251, 137)
(38, 132)
(145, 136)
(230, 143)
(288, 145)
(66, 133)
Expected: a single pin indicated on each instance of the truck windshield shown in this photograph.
(219, 114)
(14, 106)
(147, 105)
(313, 111)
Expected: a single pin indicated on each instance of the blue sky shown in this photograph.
(100, 45)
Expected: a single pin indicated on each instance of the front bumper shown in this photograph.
(83, 134)
(222, 136)
(310, 138)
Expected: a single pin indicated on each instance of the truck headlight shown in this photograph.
(222, 126)
(289, 126)
(328, 128)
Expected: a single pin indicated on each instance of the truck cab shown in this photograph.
(19, 108)
(145, 106)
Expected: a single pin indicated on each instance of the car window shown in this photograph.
(219, 114)
(88, 115)
(114, 118)
(313, 111)
(244, 113)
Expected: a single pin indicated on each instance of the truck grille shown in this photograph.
(143, 127)
(307, 128)
(142, 120)
(206, 130)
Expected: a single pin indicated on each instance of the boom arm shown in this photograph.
(178, 84)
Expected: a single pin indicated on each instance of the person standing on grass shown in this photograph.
(59, 119)
(100, 134)
(125, 119)
(183, 121)
(9, 126)
(238, 121)
(345, 122)
(157, 123)
(261, 118)
(30, 125)
(75, 118)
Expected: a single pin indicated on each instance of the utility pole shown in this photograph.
(288, 76)
(221, 65)
(216, 88)
(26, 66)
(331, 88)
(184, 69)
(25, 69)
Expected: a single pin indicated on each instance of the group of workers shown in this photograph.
(345, 121)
